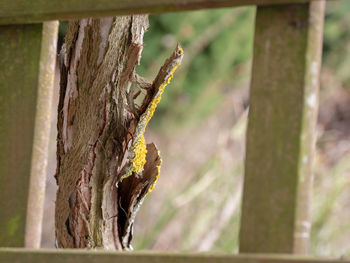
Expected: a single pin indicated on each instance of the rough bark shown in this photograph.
(104, 167)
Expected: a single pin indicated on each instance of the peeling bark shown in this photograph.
(104, 167)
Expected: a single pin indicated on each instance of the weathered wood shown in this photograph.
(104, 167)
(302, 224)
(35, 206)
(24, 11)
(26, 81)
(281, 129)
(97, 62)
(77, 255)
(19, 70)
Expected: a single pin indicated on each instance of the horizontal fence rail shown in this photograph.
(77, 255)
(24, 11)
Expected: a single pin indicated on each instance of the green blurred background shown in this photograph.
(200, 124)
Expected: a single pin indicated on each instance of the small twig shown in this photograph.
(131, 105)
(142, 82)
(163, 76)
(137, 94)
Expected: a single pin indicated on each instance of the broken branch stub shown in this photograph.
(104, 167)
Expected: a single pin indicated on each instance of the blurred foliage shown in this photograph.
(201, 177)
(218, 45)
(215, 42)
(336, 51)
(199, 191)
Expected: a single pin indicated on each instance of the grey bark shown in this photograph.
(104, 168)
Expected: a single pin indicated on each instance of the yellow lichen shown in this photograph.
(139, 146)
(140, 152)
(158, 174)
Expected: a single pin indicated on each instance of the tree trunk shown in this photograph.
(104, 167)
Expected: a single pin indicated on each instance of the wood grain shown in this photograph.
(24, 11)
(281, 129)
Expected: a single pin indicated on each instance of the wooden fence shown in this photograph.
(280, 135)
